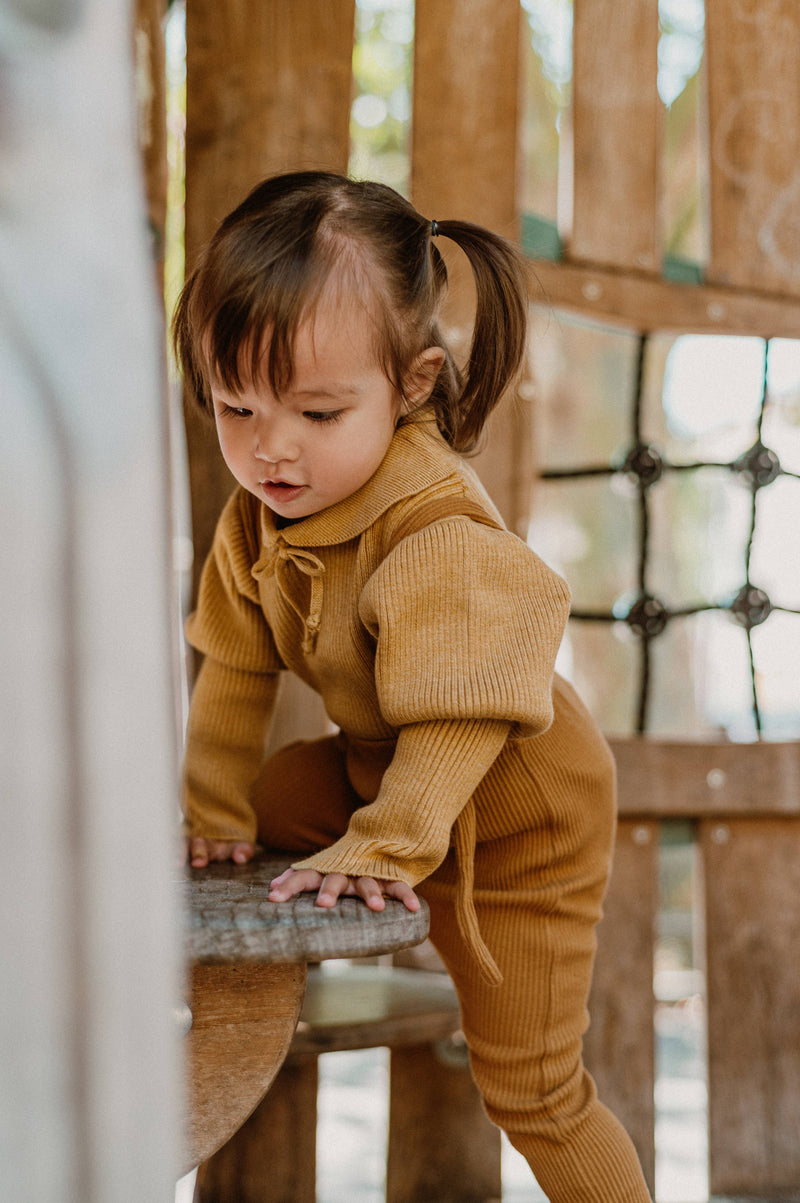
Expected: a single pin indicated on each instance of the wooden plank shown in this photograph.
(619, 1046)
(151, 107)
(752, 888)
(464, 137)
(272, 1158)
(243, 1020)
(646, 303)
(268, 89)
(616, 133)
(464, 165)
(753, 66)
(688, 780)
(442, 1146)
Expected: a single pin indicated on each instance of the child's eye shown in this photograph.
(230, 411)
(323, 415)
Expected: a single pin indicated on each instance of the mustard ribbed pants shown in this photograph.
(537, 909)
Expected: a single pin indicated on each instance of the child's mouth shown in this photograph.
(280, 490)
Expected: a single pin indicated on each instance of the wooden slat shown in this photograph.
(151, 105)
(464, 165)
(753, 67)
(442, 1146)
(272, 1157)
(619, 1045)
(243, 1020)
(692, 780)
(643, 303)
(616, 133)
(268, 90)
(752, 887)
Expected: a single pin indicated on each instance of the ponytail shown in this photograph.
(463, 402)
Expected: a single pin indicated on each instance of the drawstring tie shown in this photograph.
(275, 558)
(464, 841)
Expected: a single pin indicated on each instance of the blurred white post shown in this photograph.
(89, 1060)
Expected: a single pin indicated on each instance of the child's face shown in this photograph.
(326, 435)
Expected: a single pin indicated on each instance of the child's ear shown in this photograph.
(421, 376)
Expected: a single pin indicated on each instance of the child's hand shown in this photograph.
(336, 885)
(200, 851)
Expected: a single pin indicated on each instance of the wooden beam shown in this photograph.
(268, 90)
(151, 106)
(464, 165)
(616, 134)
(752, 886)
(642, 302)
(753, 73)
(621, 1002)
(691, 780)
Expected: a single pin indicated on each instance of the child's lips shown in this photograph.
(281, 490)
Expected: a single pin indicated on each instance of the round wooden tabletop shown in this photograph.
(247, 962)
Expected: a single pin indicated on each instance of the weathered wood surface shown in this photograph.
(229, 918)
(272, 1158)
(149, 57)
(647, 303)
(752, 57)
(243, 1020)
(442, 1145)
(464, 165)
(616, 134)
(619, 1046)
(752, 902)
(667, 779)
(268, 89)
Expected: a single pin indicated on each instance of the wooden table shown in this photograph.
(247, 961)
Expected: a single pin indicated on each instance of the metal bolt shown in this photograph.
(641, 835)
(592, 291)
(716, 778)
(721, 834)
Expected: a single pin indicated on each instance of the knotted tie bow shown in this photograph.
(275, 558)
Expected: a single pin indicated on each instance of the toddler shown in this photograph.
(360, 552)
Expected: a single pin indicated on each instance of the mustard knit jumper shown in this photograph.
(434, 655)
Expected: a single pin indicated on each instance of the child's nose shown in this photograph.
(275, 441)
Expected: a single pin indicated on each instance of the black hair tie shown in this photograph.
(434, 228)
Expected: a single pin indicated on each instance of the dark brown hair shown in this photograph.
(266, 265)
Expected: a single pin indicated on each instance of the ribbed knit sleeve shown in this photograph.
(225, 741)
(234, 695)
(229, 624)
(467, 622)
(405, 833)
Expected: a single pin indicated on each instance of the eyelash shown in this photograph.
(318, 417)
(325, 415)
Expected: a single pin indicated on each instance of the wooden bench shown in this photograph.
(442, 1147)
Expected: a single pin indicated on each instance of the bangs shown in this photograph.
(247, 334)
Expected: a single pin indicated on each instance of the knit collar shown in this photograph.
(417, 458)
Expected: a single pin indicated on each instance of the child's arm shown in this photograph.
(467, 622)
(234, 695)
(226, 735)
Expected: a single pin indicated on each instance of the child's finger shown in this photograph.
(333, 886)
(293, 881)
(199, 854)
(402, 891)
(371, 892)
